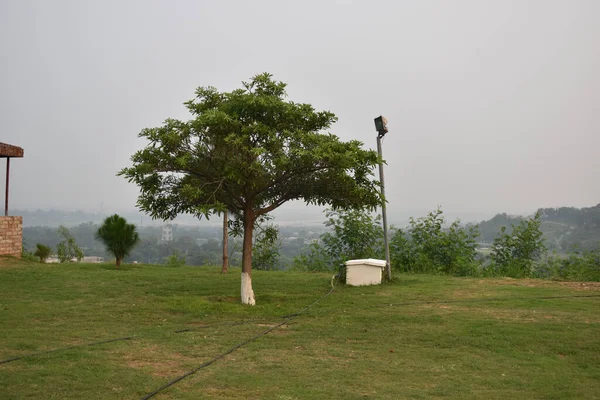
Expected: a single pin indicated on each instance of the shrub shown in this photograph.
(175, 260)
(68, 250)
(315, 260)
(515, 254)
(28, 256)
(42, 252)
(265, 254)
(574, 267)
(426, 247)
(354, 234)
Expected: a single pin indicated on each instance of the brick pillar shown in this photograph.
(11, 236)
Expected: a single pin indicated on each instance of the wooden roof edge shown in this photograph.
(8, 150)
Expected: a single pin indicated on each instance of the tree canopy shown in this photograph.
(249, 151)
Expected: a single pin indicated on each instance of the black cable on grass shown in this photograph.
(243, 322)
(237, 346)
(66, 348)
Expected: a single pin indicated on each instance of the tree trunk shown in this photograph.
(118, 263)
(247, 292)
(225, 267)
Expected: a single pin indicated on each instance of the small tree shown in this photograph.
(426, 246)
(118, 237)
(175, 260)
(42, 252)
(248, 152)
(354, 234)
(514, 254)
(225, 267)
(266, 248)
(316, 260)
(68, 250)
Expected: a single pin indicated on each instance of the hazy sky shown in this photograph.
(492, 105)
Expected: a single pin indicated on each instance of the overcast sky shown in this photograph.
(492, 105)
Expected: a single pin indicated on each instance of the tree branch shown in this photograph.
(268, 209)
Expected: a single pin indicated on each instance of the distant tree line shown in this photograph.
(427, 245)
(275, 247)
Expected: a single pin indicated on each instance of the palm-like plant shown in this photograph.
(42, 252)
(118, 236)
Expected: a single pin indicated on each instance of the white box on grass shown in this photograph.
(364, 272)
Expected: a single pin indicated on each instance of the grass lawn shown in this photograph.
(358, 343)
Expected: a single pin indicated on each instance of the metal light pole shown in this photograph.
(381, 127)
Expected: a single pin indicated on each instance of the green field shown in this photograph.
(496, 339)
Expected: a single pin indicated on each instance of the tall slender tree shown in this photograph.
(225, 267)
(249, 151)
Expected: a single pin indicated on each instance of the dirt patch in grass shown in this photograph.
(223, 299)
(164, 368)
(581, 285)
(13, 262)
(469, 294)
(518, 316)
(159, 363)
(280, 330)
(510, 315)
(517, 282)
(541, 283)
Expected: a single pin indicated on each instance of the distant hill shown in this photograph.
(569, 228)
(54, 218)
(565, 228)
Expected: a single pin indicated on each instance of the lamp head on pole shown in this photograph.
(381, 125)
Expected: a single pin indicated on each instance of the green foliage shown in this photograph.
(68, 250)
(175, 260)
(426, 247)
(316, 260)
(248, 152)
(354, 234)
(42, 252)
(28, 256)
(118, 237)
(266, 249)
(514, 254)
(574, 267)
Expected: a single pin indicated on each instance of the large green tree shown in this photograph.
(118, 237)
(249, 151)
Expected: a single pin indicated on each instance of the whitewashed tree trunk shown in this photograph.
(247, 292)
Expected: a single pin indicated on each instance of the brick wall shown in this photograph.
(11, 236)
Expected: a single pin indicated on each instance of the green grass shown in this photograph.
(352, 345)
